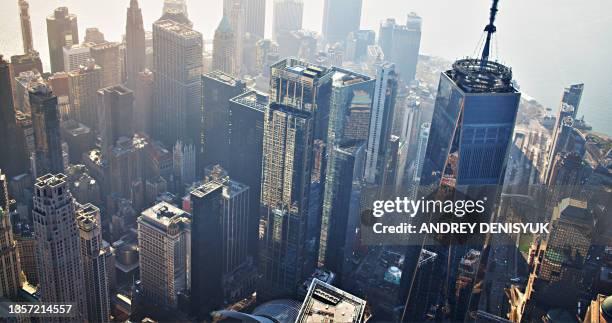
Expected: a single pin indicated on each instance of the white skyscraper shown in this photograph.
(164, 233)
(381, 120)
(93, 257)
(58, 255)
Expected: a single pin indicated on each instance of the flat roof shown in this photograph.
(326, 303)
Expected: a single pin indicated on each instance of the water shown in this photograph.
(549, 43)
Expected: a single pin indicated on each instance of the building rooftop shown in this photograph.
(222, 77)
(163, 215)
(300, 67)
(475, 76)
(252, 99)
(325, 303)
(177, 28)
(344, 77)
(51, 180)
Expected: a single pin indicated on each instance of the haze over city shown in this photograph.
(548, 43)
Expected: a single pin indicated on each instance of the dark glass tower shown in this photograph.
(220, 267)
(246, 141)
(351, 100)
(46, 124)
(469, 140)
(13, 159)
(217, 90)
(335, 28)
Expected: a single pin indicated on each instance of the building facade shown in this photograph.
(164, 244)
(93, 257)
(177, 91)
(62, 30)
(60, 270)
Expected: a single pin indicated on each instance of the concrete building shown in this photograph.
(62, 30)
(10, 267)
(94, 257)
(177, 91)
(135, 48)
(287, 16)
(340, 17)
(108, 56)
(325, 302)
(224, 49)
(75, 56)
(164, 244)
(83, 84)
(56, 231)
(26, 27)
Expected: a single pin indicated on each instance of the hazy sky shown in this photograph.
(549, 43)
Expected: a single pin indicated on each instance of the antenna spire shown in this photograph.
(490, 29)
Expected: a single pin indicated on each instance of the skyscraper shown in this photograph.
(381, 120)
(572, 96)
(107, 55)
(401, 44)
(26, 26)
(224, 48)
(564, 132)
(62, 30)
(115, 107)
(287, 16)
(220, 231)
(237, 20)
(46, 125)
(94, 35)
(303, 86)
(246, 119)
(254, 15)
(75, 56)
(184, 156)
(218, 88)
(566, 175)
(134, 44)
(340, 17)
(341, 205)
(93, 257)
(83, 83)
(178, 66)
(56, 231)
(482, 103)
(26, 62)
(163, 241)
(357, 45)
(349, 119)
(467, 151)
(9, 261)
(13, 163)
(143, 101)
(287, 163)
